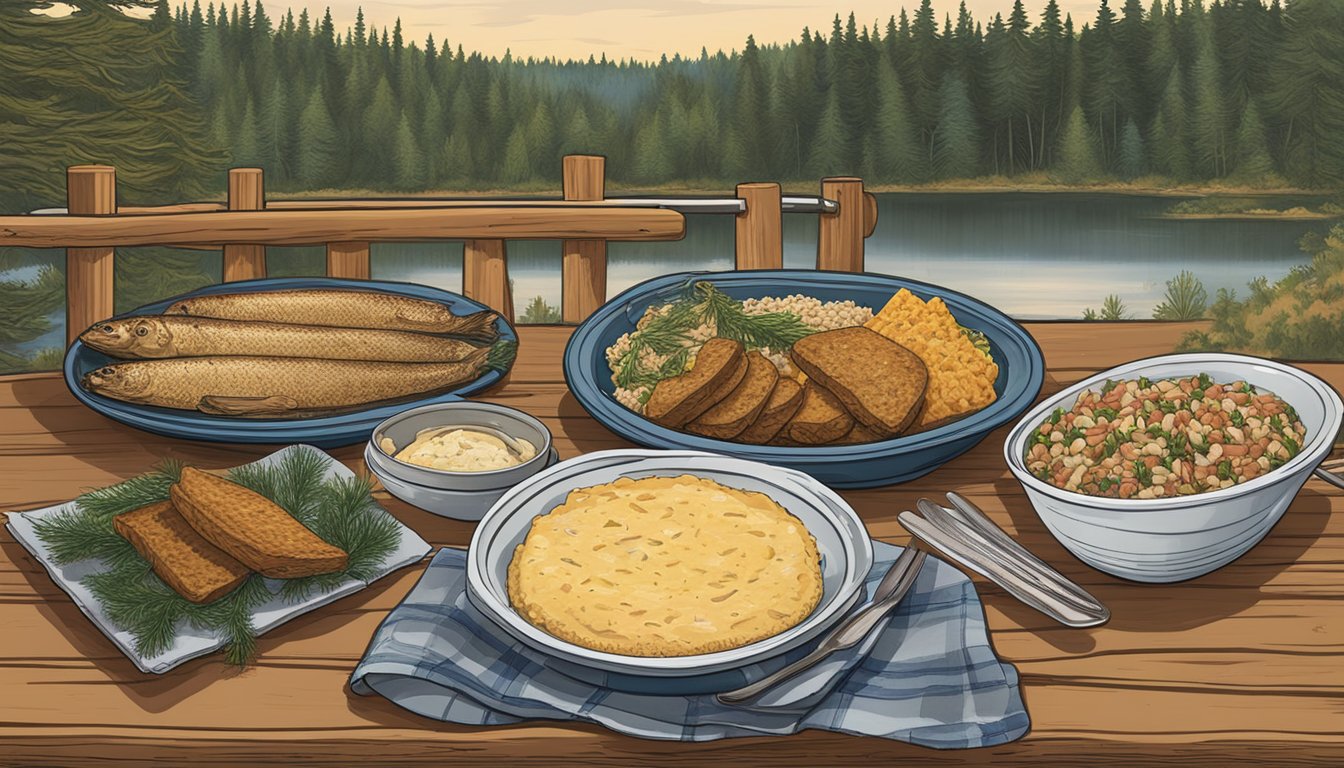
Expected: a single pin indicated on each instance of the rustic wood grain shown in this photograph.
(1241, 667)
(583, 270)
(90, 190)
(759, 230)
(245, 261)
(485, 275)
(348, 260)
(307, 227)
(840, 235)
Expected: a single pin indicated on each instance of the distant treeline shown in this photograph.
(1237, 90)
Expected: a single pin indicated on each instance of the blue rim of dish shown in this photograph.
(1019, 390)
(325, 431)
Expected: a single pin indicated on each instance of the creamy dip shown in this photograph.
(459, 449)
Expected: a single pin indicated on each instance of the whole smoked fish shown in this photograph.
(158, 336)
(342, 309)
(280, 387)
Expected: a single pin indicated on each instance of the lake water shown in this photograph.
(1033, 255)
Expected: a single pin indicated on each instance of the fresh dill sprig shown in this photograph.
(338, 510)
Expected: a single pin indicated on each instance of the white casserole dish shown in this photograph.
(842, 541)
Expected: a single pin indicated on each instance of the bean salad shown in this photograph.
(1145, 439)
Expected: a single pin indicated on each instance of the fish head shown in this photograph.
(145, 336)
(117, 381)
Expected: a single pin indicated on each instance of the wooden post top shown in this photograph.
(584, 177)
(246, 189)
(91, 189)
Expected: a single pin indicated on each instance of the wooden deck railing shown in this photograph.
(585, 220)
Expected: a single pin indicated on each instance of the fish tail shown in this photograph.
(479, 326)
(500, 356)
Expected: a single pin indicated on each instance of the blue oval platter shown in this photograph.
(323, 432)
(1021, 373)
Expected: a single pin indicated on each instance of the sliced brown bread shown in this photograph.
(719, 367)
(252, 528)
(820, 419)
(784, 401)
(879, 381)
(728, 417)
(192, 566)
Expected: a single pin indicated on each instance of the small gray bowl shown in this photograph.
(403, 427)
(457, 505)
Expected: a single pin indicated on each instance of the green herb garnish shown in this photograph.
(1237, 419)
(1225, 469)
(1108, 413)
(1144, 382)
(338, 510)
(1109, 385)
(1204, 381)
(1057, 415)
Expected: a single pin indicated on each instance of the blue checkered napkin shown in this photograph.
(927, 675)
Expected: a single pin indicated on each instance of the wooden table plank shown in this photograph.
(1242, 665)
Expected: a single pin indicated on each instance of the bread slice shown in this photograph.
(879, 381)
(820, 419)
(252, 528)
(784, 401)
(719, 367)
(734, 413)
(192, 566)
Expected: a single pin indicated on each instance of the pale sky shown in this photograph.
(640, 29)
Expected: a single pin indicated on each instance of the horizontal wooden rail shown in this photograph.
(278, 227)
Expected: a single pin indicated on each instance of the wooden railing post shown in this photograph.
(89, 190)
(348, 260)
(246, 193)
(584, 274)
(760, 228)
(840, 235)
(485, 275)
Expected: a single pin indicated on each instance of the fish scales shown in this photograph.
(274, 386)
(163, 336)
(342, 309)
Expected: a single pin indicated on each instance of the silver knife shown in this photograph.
(970, 515)
(894, 585)
(959, 548)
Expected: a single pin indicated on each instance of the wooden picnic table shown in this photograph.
(1239, 667)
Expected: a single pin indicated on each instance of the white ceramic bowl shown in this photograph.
(1173, 539)
(846, 551)
(459, 495)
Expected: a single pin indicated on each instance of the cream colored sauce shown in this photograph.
(459, 449)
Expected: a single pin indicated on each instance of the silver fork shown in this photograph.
(1332, 472)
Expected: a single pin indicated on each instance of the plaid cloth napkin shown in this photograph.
(927, 675)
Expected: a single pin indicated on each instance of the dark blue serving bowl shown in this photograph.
(323, 432)
(1021, 373)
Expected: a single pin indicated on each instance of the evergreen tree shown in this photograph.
(1168, 151)
(517, 165)
(1207, 124)
(406, 157)
(318, 146)
(828, 152)
(895, 153)
(1078, 155)
(1252, 161)
(377, 136)
(1131, 161)
(1308, 98)
(247, 142)
(956, 138)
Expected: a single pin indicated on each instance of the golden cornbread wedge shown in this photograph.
(252, 528)
(719, 367)
(728, 417)
(820, 419)
(961, 377)
(192, 566)
(879, 382)
(784, 401)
